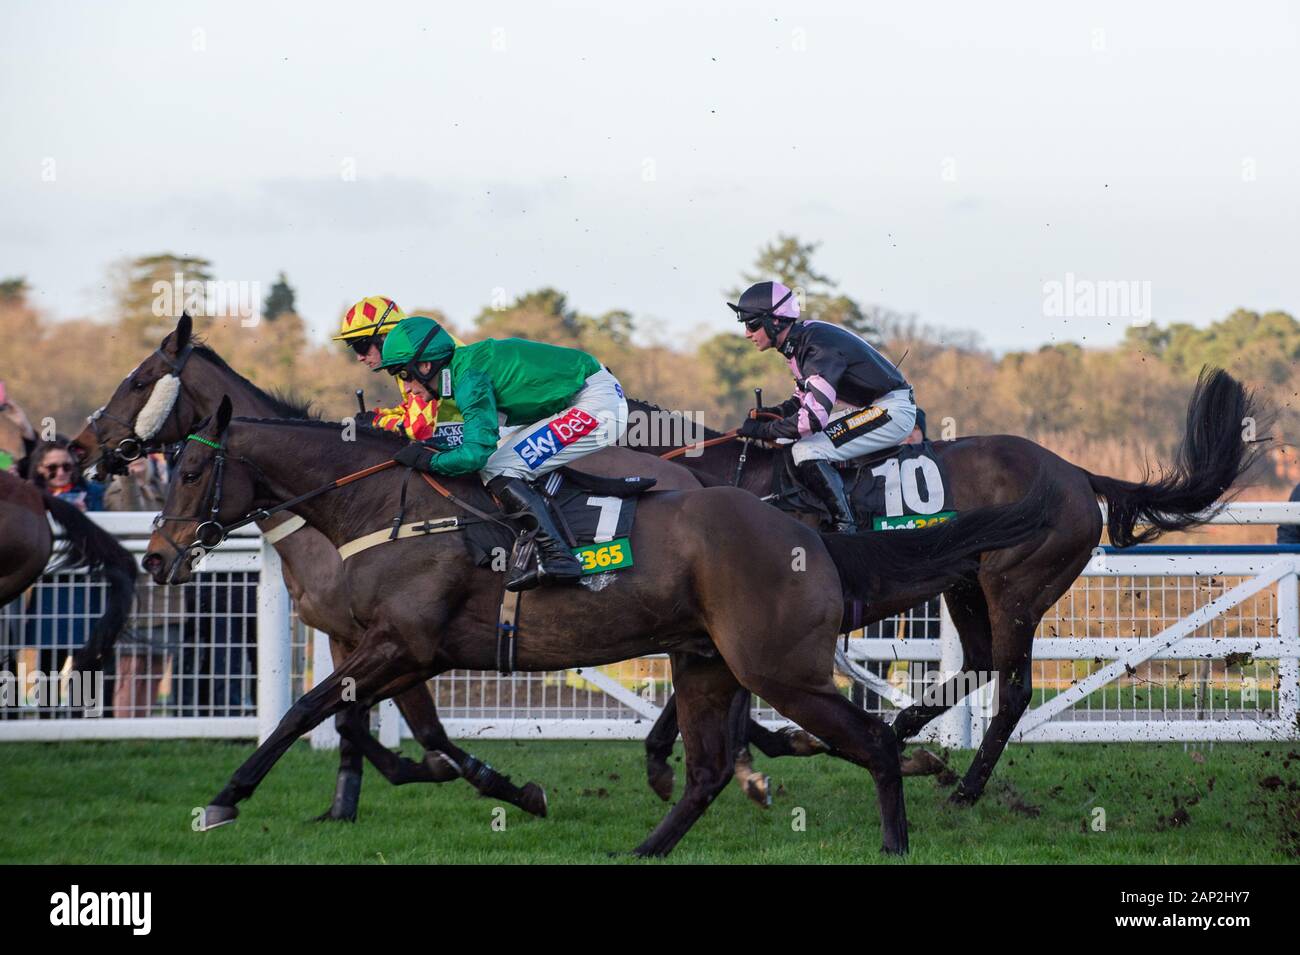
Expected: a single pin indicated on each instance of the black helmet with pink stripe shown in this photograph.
(767, 305)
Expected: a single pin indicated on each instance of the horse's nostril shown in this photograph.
(152, 563)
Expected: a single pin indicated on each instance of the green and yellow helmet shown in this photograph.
(414, 340)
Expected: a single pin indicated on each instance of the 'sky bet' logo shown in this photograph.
(547, 440)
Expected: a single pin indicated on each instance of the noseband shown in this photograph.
(211, 532)
(133, 446)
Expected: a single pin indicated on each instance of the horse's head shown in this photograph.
(148, 410)
(211, 489)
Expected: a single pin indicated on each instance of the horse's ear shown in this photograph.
(177, 340)
(223, 415)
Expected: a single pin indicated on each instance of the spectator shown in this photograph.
(17, 438)
(142, 648)
(55, 470)
(61, 614)
(1290, 533)
(142, 488)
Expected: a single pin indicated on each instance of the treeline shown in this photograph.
(1117, 410)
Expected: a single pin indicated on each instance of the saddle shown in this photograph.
(900, 488)
(594, 514)
(588, 509)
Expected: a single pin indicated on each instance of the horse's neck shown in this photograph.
(292, 461)
(212, 382)
(721, 460)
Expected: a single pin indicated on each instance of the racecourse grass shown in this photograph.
(131, 802)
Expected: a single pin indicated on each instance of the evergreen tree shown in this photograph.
(279, 301)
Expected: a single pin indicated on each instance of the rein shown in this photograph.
(211, 532)
(437, 486)
(733, 435)
(710, 442)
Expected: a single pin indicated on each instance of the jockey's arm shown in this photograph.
(478, 405)
(392, 419)
(809, 409)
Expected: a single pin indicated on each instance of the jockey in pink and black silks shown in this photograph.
(849, 399)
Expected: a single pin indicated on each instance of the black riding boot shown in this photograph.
(554, 562)
(823, 479)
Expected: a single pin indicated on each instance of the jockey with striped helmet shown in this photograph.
(529, 408)
(831, 365)
(363, 328)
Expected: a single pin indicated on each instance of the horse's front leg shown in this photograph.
(378, 665)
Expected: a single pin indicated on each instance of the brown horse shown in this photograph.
(26, 543)
(742, 598)
(169, 393)
(997, 609)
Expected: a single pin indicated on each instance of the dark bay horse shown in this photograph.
(26, 543)
(169, 393)
(997, 609)
(182, 383)
(741, 597)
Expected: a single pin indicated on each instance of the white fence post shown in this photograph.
(954, 726)
(324, 735)
(1288, 669)
(274, 657)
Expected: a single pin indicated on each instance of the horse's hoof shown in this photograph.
(893, 851)
(441, 769)
(660, 777)
(533, 800)
(803, 743)
(962, 798)
(922, 762)
(759, 789)
(332, 816)
(214, 817)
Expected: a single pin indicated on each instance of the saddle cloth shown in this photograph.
(595, 514)
(901, 488)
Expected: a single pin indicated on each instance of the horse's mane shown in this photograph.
(285, 405)
(639, 404)
(466, 485)
(378, 434)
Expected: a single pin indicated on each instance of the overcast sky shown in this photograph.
(952, 157)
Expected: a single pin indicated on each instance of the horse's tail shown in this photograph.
(92, 547)
(1212, 456)
(934, 558)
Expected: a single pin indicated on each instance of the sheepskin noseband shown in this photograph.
(155, 411)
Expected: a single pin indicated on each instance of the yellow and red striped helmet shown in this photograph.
(374, 315)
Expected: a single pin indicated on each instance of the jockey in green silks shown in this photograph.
(529, 408)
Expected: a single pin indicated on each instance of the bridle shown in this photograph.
(210, 532)
(133, 446)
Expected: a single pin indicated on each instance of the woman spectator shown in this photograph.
(61, 614)
(55, 470)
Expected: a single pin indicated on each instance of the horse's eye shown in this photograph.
(190, 477)
(139, 385)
